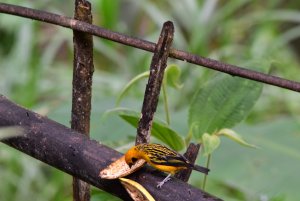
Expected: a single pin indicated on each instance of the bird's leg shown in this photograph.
(160, 184)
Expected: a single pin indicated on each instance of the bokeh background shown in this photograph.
(36, 72)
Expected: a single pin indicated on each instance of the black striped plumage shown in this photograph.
(162, 155)
(162, 158)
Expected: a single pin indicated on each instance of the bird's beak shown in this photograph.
(130, 165)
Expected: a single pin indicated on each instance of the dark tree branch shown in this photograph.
(59, 146)
(75, 154)
(157, 69)
(148, 46)
(83, 69)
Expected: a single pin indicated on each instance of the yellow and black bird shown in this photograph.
(161, 158)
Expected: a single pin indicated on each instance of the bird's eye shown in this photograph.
(134, 160)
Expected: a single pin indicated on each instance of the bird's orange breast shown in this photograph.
(167, 168)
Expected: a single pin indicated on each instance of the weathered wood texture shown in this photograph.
(152, 91)
(83, 69)
(75, 154)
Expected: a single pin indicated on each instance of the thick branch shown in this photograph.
(157, 69)
(75, 154)
(148, 46)
(83, 69)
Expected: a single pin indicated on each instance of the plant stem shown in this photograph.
(188, 137)
(166, 103)
(205, 176)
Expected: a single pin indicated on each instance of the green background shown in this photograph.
(36, 72)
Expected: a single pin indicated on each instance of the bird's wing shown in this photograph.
(161, 155)
(169, 159)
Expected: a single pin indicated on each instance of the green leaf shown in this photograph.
(222, 103)
(276, 161)
(235, 137)
(109, 13)
(129, 85)
(159, 130)
(172, 76)
(210, 143)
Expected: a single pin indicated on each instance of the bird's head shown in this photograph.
(131, 156)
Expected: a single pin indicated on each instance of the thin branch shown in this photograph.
(157, 69)
(83, 69)
(191, 154)
(73, 153)
(76, 25)
(148, 46)
(207, 166)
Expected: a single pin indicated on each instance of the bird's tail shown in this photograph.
(200, 169)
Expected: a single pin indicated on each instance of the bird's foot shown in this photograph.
(160, 184)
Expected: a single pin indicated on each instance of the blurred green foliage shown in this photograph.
(36, 72)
